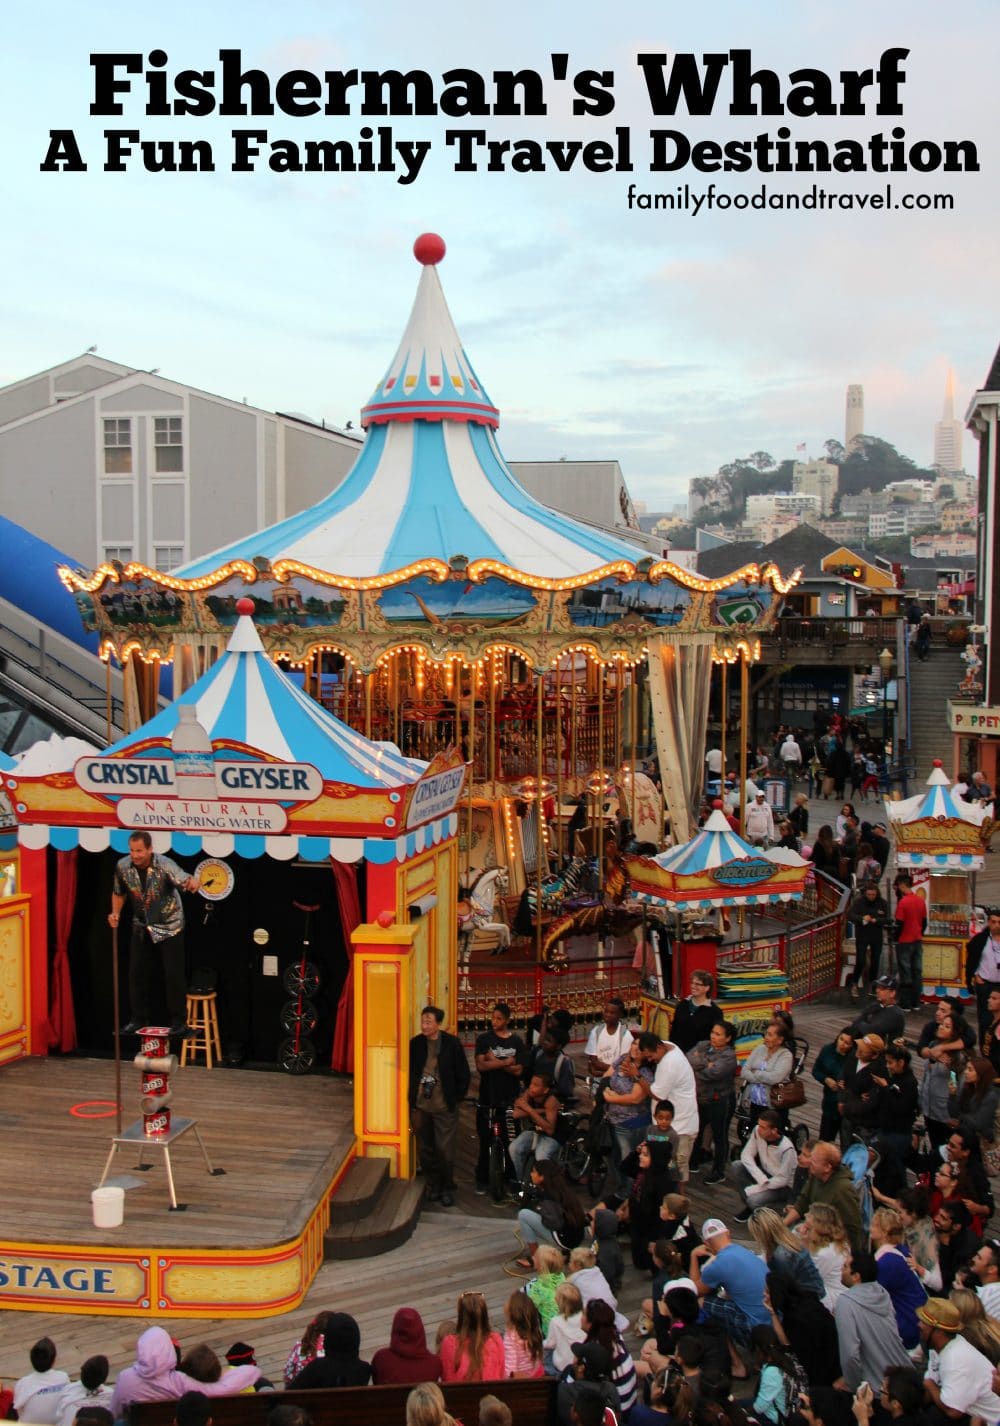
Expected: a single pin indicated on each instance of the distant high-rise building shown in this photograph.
(854, 420)
(948, 432)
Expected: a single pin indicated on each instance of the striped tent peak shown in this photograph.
(714, 845)
(430, 482)
(430, 376)
(245, 698)
(938, 801)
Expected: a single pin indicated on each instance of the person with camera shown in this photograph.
(439, 1079)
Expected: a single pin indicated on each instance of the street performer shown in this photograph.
(150, 885)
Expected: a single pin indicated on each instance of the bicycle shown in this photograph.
(587, 1146)
(500, 1126)
(297, 1054)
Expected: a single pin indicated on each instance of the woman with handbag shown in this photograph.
(767, 1066)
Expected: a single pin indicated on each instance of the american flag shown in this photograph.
(801, 446)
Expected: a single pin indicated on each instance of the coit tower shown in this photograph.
(854, 420)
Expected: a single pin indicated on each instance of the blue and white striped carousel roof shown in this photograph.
(244, 698)
(713, 846)
(430, 481)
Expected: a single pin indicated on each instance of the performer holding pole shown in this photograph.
(150, 885)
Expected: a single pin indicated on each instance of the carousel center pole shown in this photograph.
(539, 725)
(559, 766)
(744, 719)
(723, 718)
(472, 767)
(599, 819)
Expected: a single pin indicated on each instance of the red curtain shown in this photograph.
(346, 879)
(62, 1019)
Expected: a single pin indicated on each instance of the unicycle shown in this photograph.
(299, 1017)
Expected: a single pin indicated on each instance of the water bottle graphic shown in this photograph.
(194, 767)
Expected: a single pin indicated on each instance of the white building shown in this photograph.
(911, 490)
(819, 478)
(107, 462)
(779, 502)
(885, 523)
(591, 490)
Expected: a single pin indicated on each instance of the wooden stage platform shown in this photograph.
(248, 1241)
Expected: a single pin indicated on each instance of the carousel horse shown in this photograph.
(477, 912)
(607, 917)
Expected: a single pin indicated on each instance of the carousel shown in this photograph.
(940, 842)
(429, 601)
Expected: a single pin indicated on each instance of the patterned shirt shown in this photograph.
(157, 908)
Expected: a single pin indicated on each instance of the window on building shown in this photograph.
(168, 443)
(118, 552)
(118, 446)
(167, 557)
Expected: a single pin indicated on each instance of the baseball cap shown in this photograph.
(939, 1312)
(712, 1227)
(596, 1359)
(887, 982)
(875, 1042)
(759, 795)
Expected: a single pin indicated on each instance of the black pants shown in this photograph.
(715, 1115)
(436, 1143)
(144, 954)
(868, 953)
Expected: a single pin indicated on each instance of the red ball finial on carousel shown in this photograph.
(718, 805)
(244, 606)
(937, 763)
(429, 249)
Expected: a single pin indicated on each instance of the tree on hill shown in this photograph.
(873, 464)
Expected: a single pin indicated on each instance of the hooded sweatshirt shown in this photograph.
(609, 1254)
(340, 1364)
(867, 1334)
(406, 1361)
(155, 1376)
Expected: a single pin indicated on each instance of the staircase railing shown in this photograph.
(35, 657)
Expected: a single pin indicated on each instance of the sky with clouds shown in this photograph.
(669, 341)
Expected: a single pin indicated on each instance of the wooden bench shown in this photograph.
(532, 1403)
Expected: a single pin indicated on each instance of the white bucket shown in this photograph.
(109, 1206)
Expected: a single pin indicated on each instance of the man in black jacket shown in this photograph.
(883, 1016)
(439, 1078)
(982, 967)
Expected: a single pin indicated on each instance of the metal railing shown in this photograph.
(808, 952)
(35, 656)
(832, 634)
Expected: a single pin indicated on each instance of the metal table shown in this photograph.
(135, 1134)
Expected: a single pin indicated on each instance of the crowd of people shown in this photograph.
(854, 1282)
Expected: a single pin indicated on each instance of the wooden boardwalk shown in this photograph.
(451, 1250)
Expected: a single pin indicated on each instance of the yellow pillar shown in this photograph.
(383, 1019)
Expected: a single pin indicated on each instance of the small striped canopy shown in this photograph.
(680, 880)
(244, 698)
(430, 481)
(714, 845)
(938, 801)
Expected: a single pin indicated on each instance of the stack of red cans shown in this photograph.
(157, 1065)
